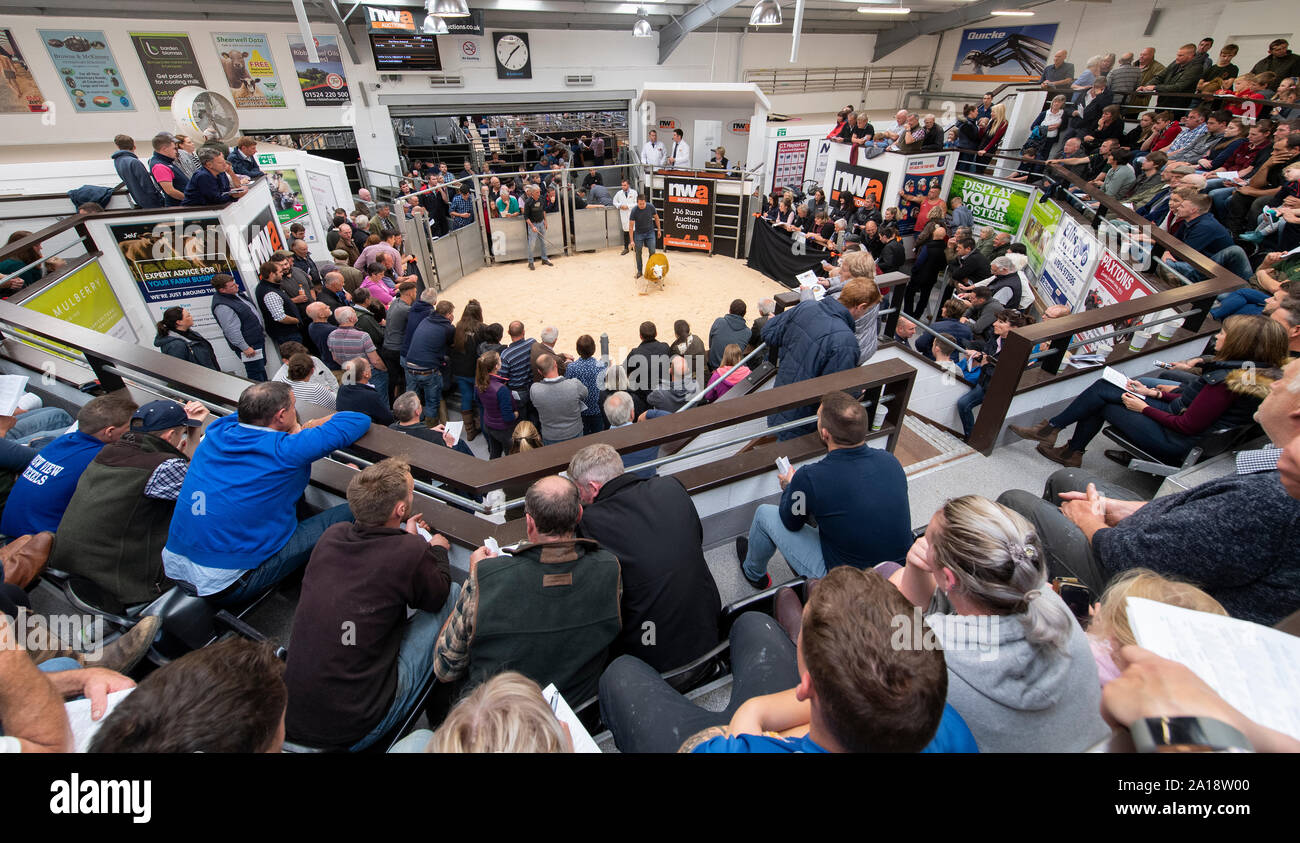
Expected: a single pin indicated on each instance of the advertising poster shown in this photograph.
(325, 82)
(1112, 282)
(688, 214)
(91, 77)
(823, 156)
(84, 297)
(173, 264)
(923, 172)
(1004, 53)
(1040, 228)
(286, 193)
(249, 69)
(19, 94)
(791, 159)
(1068, 268)
(169, 63)
(322, 194)
(997, 204)
(858, 182)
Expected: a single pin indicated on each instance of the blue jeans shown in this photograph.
(255, 369)
(379, 380)
(802, 550)
(1247, 301)
(45, 423)
(428, 387)
(1101, 403)
(295, 553)
(965, 406)
(1219, 197)
(58, 665)
(536, 237)
(466, 387)
(414, 665)
(640, 240)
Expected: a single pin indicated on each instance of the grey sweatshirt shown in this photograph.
(559, 403)
(1017, 696)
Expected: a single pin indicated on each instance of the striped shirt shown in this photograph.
(312, 393)
(517, 365)
(346, 343)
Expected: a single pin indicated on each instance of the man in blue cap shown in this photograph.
(115, 526)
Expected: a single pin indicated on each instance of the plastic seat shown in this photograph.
(1210, 445)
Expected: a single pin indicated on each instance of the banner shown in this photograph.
(249, 69)
(823, 156)
(775, 253)
(286, 193)
(382, 19)
(858, 182)
(1004, 53)
(169, 63)
(999, 205)
(325, 82)
(173, 264)
(688, 213)
(1112, 282)
(83, 297)
(1069, 264)
(20, 93)
(923, 172)
(322, 193)
(1039, 231)
(791, 160)
(90, 73)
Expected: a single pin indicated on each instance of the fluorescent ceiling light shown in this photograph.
(1012, 13)
(884, 10)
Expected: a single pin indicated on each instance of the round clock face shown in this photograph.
(512, 52)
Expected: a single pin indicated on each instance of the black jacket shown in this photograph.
(364, 398)
(669, 596)
(892, 257)
(970, 269)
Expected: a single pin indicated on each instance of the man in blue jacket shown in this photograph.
(814, 338)
(426, 358)
(210, 184)
(144, 191)
(235, 532)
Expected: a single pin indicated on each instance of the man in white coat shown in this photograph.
(625, 201)
(679, 156)
(653, 153)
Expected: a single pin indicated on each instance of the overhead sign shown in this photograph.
(688, 214)
(325, 82)
(739, 127)
(858, 182)
(249, 69)
(997, 204)
(379, 19)
(1003, 53)
(169, 64)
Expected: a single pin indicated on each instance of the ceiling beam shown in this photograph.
(332, 9)
(674, 33)
(908, 30)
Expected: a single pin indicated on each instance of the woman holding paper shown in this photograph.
(1166, 421)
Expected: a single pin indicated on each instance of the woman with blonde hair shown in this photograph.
(526, 437)
(507, 713)
(991, 135)
(728, 374)
(1020, 672)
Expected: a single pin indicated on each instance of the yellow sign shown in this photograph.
(84, 297)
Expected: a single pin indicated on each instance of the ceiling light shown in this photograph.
(884, 10)
(1012, 13)
(642, 28)
(448, 8)
(434, 25)
(766, 13)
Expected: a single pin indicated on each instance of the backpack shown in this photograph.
(92, 193)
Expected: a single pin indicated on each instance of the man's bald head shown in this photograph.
(553, 508)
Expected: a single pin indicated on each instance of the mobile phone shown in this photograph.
(1076, 595)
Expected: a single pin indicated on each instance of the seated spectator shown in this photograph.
(857, 496)
(320, 373)
(1225, 395)
(177, 338)
(985, 360)
(238, 534)
(507, 713)
(647, 366)
(727, 375)
(563, 639)
(726, 330)
(41, 493)
(980, 574)
(845, 687)
(949, 322)
(347, 691)
(357, 394)
(692, 348)
(680, 388)
(211, 183)
(1094, 530)
(651, 525)
(115, 527)
(33, 425)
(227, 697)
(525, 437)
(560, 402)
(300, 375)
(1109, 630)
(619, 412)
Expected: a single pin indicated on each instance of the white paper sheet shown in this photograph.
(582, 741)
(455, 428)
(83, 728)
(11, 392)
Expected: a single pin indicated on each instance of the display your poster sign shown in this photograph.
(923, 173)
(1003, 53)
(169, 63)
(1112, 282)
(91, 76)
(19, 94)
(1068, 268)
(249, 69)
(791, 160)
(688, 214)
(173, 264)
(858, 182)
(83, 297)
(997, 204)
(324, 83)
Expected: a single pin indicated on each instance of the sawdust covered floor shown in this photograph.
(594, 293)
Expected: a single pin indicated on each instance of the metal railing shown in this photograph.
(809, 80)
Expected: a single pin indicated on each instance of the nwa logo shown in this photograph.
(688, 191)
(667, 123)
(390, 19)
(859, 185)
(740, 127)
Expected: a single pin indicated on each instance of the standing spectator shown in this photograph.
(319, 332)
(1123, 79)
(394, 333)
(559, 402)
(692, 348)
(492, 391)
(590, 372)
(1280, 60)
(358, 394)
(166, 170)
(186, 155)
(134, 174)
(1178, 78)
(377, 285)
(1058, 75)
(279, 309)
(238, 533)
(334, 294)
(546, 345)
(302, 261)
(240, 324)
(177, 338)
(383, 222)
(726, 330)
(517, 366)
(426, 358)
(814, 338)
(462, 207)
(462, 361)
(646, 366)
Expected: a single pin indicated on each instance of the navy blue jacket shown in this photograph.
(243, 165)
(960, 331)
(814, 338)
(419, 311)
(430, 343)
(1205, 234)
(364, 398)
(135, 175)
(207, 189)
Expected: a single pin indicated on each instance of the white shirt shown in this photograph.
(625, 201)
(680, 152)
(894, 128)
(653, 153)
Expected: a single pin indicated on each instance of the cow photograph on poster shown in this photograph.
(688, 214)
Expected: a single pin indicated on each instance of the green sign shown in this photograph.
(1039, 231)
(266, 158)
(780, 133)
(999, 205)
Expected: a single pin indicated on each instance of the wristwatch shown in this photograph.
(1187, 734)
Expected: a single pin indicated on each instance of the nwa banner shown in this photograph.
(325, 82)
(249, 69)
(1068, 268)
(168, 62)
(89, 72)
(1004, 53)
(1112, 282)
(688, 214)
(20, 93)
(858, 182)
(924, 172)
(386, 19)
(999, 205)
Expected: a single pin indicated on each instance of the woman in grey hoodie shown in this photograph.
(1020, 671)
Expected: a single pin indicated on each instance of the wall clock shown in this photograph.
(514, 61)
